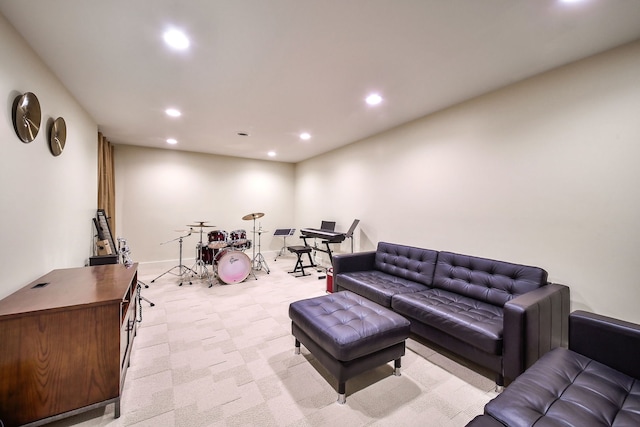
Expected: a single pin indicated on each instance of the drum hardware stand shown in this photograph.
(200, 268)
(199, 264)
(258, 259)
(182, 269)
(253, 270)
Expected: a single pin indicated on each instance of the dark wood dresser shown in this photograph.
(65, 343)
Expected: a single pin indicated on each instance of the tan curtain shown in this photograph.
(106, 181)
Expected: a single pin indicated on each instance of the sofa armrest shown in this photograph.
(348, 263)
(534, 323)
(610, 341)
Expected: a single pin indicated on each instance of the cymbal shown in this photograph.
(57, 136)
(251, 216)
(199, 225)
(26, 116)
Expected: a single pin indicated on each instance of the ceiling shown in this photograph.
(276, 68)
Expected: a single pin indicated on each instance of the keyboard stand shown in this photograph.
(315, 247)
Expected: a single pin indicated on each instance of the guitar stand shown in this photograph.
(182, 269)
(140, 285)
(123, 250)
(140, 298)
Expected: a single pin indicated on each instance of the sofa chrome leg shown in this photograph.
(396, 368)
(342, 393)
(499, 383)
(297, 348)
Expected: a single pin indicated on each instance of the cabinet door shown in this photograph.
(58, 354)
(128, 330)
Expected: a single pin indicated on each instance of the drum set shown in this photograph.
(224, 251)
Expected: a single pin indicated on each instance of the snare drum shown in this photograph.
(238, 239)
(232, 266)
(218, 239)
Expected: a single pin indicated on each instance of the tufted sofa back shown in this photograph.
(494, 282)
(406, 261)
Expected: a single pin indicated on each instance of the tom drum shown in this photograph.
(218, 239)
(238, 239)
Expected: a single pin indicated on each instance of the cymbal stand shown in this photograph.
(200, 265)
(182, 269)
(258, 262)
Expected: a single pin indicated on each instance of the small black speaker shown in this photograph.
(103, 259)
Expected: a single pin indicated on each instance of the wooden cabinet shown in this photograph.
(65, 343)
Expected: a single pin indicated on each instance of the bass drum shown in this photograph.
(232, 266)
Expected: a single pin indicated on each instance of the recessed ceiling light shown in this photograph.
(173, 112)
(271, 154)
(305, 136)
(172, 141)
(374, 99)
(176, 39)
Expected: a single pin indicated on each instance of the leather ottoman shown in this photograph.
(348, 334)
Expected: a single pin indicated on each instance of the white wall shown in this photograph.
(544, 172)
(160, 191)
(46, 202)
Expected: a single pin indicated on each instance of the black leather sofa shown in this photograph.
(595, 382)
(500, 315)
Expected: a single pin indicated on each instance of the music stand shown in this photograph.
(349, 233)
(328, 225)
(284, 232)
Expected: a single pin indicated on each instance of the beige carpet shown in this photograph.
(224, 356)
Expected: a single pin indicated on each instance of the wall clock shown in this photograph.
(57, 136)
(26, 116)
